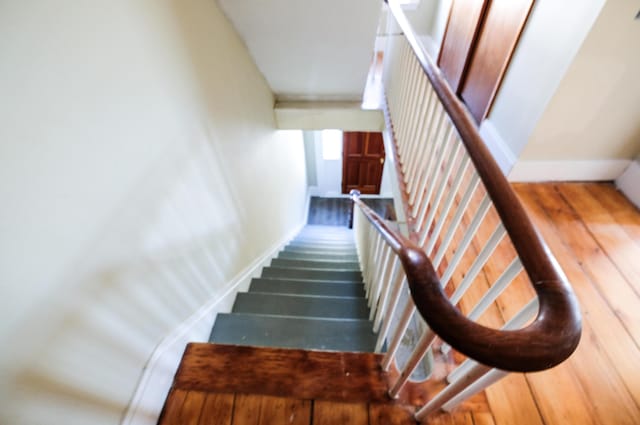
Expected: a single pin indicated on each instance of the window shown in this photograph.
(331, 144)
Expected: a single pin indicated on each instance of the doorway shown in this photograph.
(362, 162)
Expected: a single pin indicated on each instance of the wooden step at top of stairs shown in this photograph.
(311, 306)
(311, 264)
(236, 385)
(305, 255)
(307, 287)
(282, 372)
(311, 334)
(312, 274)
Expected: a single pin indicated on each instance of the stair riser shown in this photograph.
(310, 334)
(321, 248)
(348, 276)
(321, 251)
(307, 264)
(317, 257)
(327, 244)
(307, 288)
(301, 306)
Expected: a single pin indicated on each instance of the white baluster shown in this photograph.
(496, 289)
(452, 160)
(520, 319)
(425, 170)
(447, 207)
(399, 283)
(451, 391)
(390, 276)
(417, 354)
(466, 239)
(424, 199)
(401, 328)
(479, 262)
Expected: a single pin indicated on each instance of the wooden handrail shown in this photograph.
(547, 341)
(555, 332)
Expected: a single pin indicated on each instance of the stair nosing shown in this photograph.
(302, 295)
(284, 316)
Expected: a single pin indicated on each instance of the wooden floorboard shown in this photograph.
(593, 231)
(283, 372)
(607, 345)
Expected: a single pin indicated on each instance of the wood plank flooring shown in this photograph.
(593, 231)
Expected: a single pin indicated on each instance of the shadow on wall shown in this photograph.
(184, 231)
(90, 343)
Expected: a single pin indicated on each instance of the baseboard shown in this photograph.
(629, 182)
(501, 152)
(157, 377)
(589, 170)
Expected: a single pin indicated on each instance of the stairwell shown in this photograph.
(310, 297)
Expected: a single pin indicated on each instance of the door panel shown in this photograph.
(459, 39)
(362, 162)
(498, 36)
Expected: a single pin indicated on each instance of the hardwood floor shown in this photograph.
(593, 231)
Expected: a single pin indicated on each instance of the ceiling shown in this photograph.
(309, 50)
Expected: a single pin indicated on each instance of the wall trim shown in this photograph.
(500, 150)
(629, 182)
(568, 170)
(157, 376)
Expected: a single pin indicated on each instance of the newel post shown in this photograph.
(353, 193)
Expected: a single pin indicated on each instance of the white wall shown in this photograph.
(629, 182)
(329, 172)
(140, 171)
(595, 112)
(551, 38)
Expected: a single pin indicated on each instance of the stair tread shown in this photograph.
(312, 264)
(312, 274)
(305, 333)
(316, 256)
(306, 287)
(301, 305)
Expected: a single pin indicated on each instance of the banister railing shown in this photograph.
(454, 191)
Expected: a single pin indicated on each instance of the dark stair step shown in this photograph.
(287, 332)
(307, 287)
(317, 257)
(312, 274)
(323, 244)
(311, 264)
(321, 251)
(301, 305)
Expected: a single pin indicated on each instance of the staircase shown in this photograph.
(311, 297)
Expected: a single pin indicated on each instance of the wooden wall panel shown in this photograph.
(459, 39)
(498, 36)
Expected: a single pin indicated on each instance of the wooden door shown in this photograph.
(479, 41)
(362, 162)
(459, 39)
(497, 39)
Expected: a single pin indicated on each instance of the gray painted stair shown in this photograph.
(312, 274)
(311, 264)
(301, 305)
(316, 256)
(305, 287)
(293, 332)
(311, 297)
